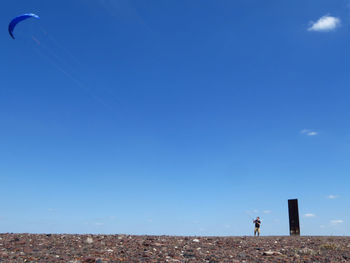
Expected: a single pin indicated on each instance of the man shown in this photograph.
(257, 223)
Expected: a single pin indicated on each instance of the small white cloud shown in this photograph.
(308, 132)
(336, 222)
(267, 211)
(332, 196)
(99, 224)
(252, 212)
(309, 215)
(325, 24)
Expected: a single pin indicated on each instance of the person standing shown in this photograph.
(257, 223)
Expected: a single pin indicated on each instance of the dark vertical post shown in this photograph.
(294, 227)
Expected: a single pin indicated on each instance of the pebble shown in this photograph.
(270, 253)
(90, 249)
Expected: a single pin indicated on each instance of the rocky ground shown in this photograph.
(124, 248)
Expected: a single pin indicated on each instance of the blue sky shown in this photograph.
(175, 117)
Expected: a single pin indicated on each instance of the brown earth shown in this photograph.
(124, 248)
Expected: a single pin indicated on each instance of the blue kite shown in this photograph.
(18, 19)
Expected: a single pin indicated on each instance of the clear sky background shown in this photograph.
(175, 117)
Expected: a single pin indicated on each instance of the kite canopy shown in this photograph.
(18, 19)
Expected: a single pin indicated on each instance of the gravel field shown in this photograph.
(124, 248)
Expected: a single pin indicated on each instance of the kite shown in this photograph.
(18, 19)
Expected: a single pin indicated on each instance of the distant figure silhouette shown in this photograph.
(257, 223)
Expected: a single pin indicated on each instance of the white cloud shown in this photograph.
(336, 221)
(267, 211)
(309, 215)
(252, 212)
(308, 132)
(332, 196)
(325, 24)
